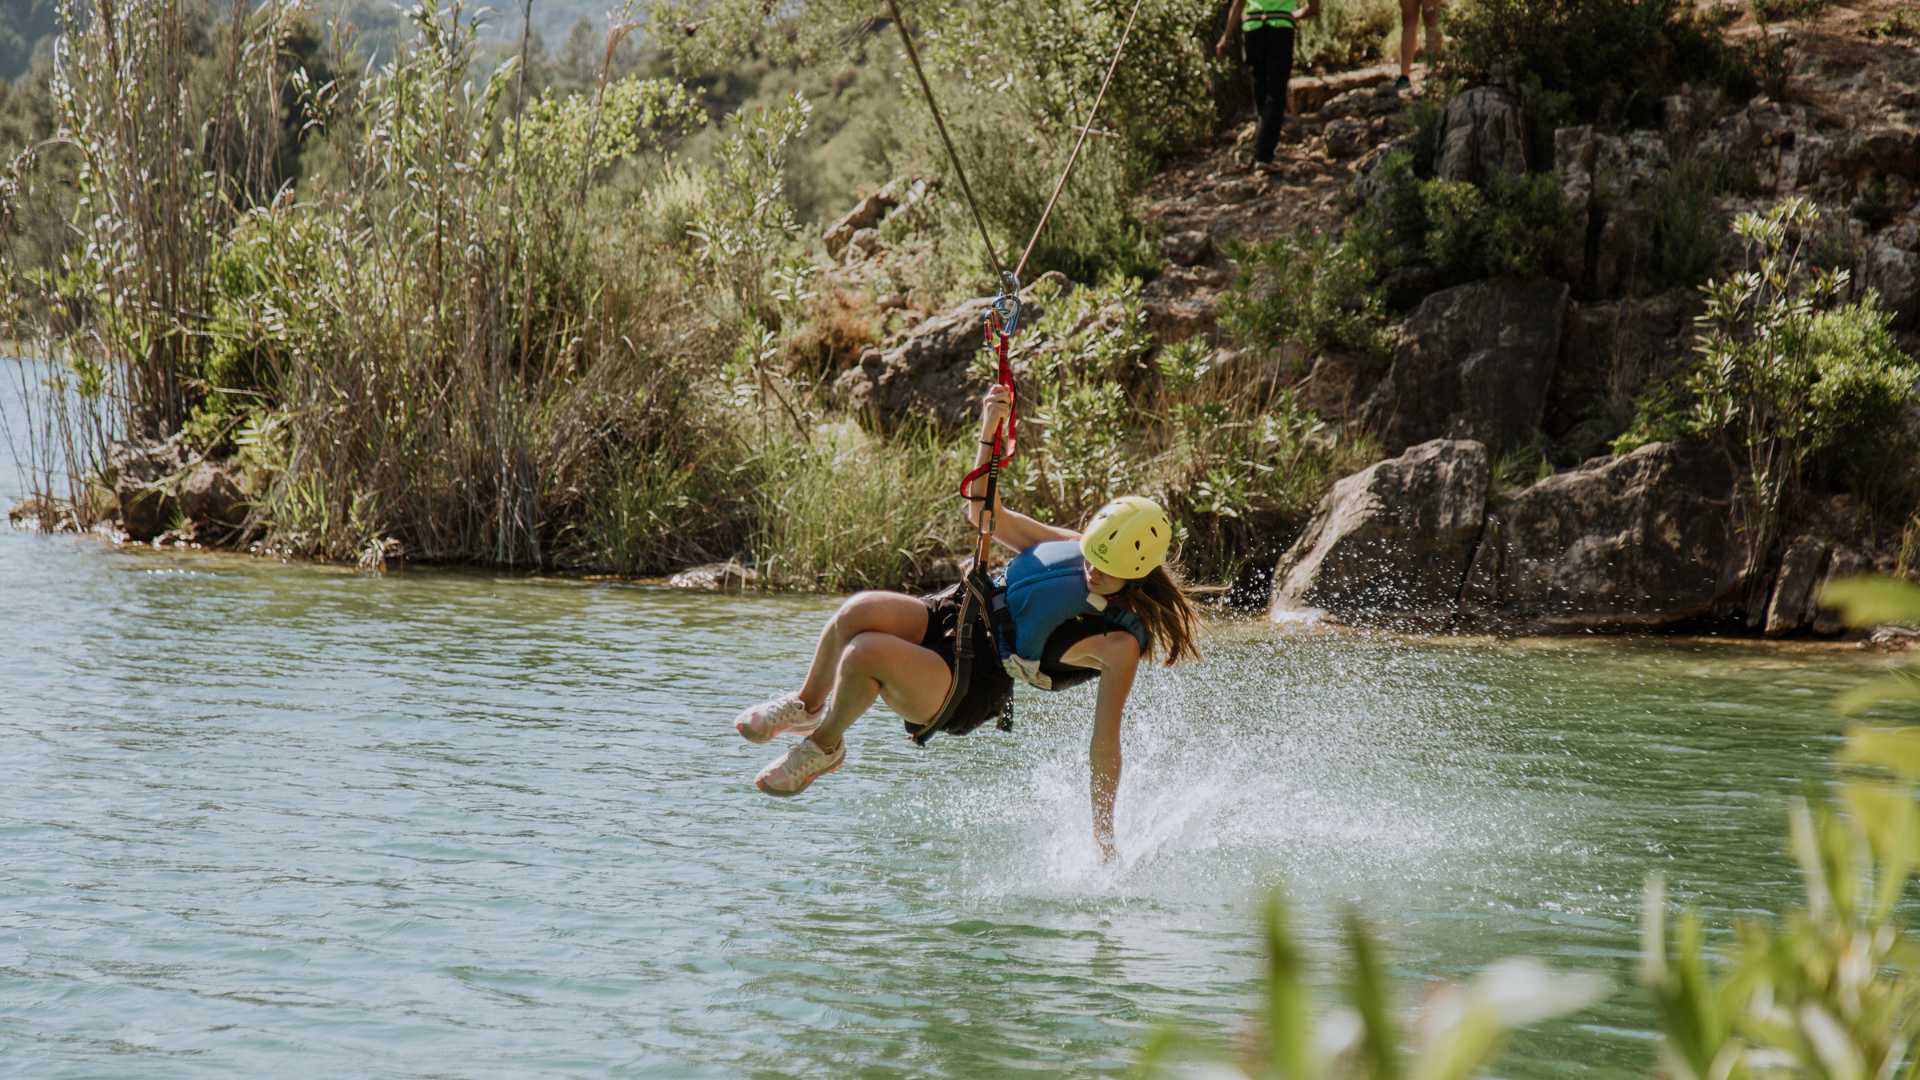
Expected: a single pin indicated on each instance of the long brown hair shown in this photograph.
(1172, 622)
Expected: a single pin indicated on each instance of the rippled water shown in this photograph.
(262, 818)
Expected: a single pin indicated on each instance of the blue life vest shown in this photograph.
(1044, 610)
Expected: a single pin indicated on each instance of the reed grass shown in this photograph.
(846, 511)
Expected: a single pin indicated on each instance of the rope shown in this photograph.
(926, 88)
(1085, 130)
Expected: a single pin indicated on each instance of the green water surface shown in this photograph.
(260, 819)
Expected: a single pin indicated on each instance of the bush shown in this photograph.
(844, 512)
(1612, 59)
(1308, 289)
(1511, 229)
(1791, 381)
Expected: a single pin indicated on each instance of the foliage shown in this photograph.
(1309, 289)
(840, 512)
(743, 228)
(1833, 989)
(1512, 228)
(1789, 379)
(1221, 440)
(1462, 1027)
(1344, 36)
(1687, 225)
(1613, 59)
(1903, 24)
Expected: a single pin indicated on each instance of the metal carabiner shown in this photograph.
(1007, 305)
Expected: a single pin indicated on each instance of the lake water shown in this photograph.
(260, 819)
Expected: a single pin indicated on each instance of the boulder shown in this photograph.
(869, 212)
(1623, 251)
(1183, 302)
(143, 480)
(1791, 606)
(1575, 150)
(1305, 95)
(866, 214)
(1392, 542)
(928, 373)
(1349, 137)
(1187, 248)
(1612, 352)
(1638, 541)
(1845, 562)
(1337, 384)
(1482, 133)
(864, 244)
(1891, 266)
(729, 576)
(1474, 362)
(213, 498)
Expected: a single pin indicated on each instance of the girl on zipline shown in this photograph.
(1073, 607)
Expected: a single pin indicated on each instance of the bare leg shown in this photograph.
(1409, 34)
(895, 614)
(1431, 10)
(912, 679)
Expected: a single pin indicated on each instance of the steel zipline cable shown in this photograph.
(1086, 128)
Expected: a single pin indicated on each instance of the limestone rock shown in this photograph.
(143, 480)
(1482, 133)
(1791, 606)
(213, 498)
(864, 244)
(1391, 542)
(1641, 540)
(729, 576)
(1612, 351)
(1187, 248)
(1893, 269)
(928, 373)
(1845, 562)
(1349, 138)
(1474, 363)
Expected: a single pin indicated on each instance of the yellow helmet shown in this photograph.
(1128, 537)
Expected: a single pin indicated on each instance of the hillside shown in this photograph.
(28, 25)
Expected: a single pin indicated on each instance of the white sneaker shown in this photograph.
(801, 765)
(759, 723)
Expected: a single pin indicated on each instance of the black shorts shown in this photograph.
(990, 689)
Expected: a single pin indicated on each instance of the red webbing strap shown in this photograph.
(1002, 452)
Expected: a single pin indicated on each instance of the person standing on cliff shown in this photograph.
(1266, 30)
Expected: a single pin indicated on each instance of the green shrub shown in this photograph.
(1613, 59)
(844, 511)
(1308, 289)
(1790, 380)
(1345, 36)
(1688, 226)
(1513, 228)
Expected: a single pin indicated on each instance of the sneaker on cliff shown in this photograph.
(801, 765)
(759, 723)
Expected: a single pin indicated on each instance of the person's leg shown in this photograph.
(874, 664)
(1251, 44)
(1431, 11)
(891, 613)
(1409, 35)
(1266, 50)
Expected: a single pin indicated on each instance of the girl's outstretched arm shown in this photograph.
(1117, 655)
